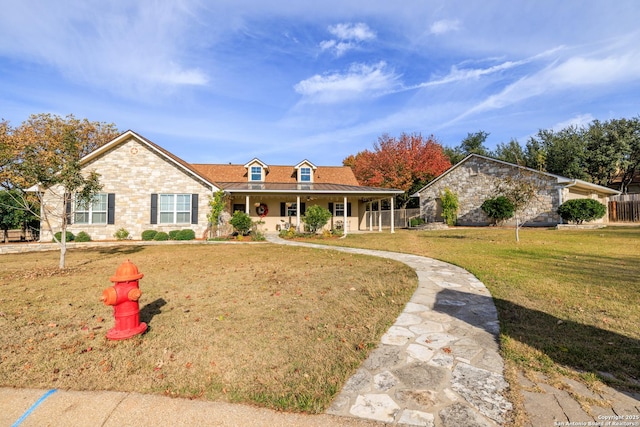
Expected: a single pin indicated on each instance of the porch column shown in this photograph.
(370, 216)
(380, 216)
(345, 216)
(392, 218)
(298, 213)
(247, 208)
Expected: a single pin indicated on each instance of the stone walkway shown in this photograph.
(438, 365)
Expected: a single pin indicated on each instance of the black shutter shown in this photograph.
(331, 208)
(194, 209)
(302, 209)
(154, 209)
(68, 200)
(283, 209)
(348, 209)
(111, 208)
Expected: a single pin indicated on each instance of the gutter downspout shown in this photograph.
(560, 201)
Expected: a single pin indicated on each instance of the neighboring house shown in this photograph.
(632, 183)
(146, 187)
(475, 178)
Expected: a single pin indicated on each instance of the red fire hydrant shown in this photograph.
(123, 296)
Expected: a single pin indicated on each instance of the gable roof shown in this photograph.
(562, 180)
(171, 158)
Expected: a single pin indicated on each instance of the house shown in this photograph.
(146, 187)
(475, 178)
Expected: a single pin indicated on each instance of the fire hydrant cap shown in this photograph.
(127, 272)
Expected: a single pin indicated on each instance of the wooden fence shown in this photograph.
(624, 208)
(28, 235)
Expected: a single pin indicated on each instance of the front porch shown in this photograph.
(349, 213)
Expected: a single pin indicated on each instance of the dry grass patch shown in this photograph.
(279, 326)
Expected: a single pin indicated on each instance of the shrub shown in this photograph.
(161, 236)
(316, 217)
(173, 234)
(414, 222)
(149, 234)
(185, 235)
(580, 210)
(449, 206)
(241, 222)
(83, 236)
(121, 234)
(498, 209)
(69, 236)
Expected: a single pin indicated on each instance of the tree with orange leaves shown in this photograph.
(406, 163)
(42, 156)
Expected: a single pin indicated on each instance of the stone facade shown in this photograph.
(475, 180)
(132, 171)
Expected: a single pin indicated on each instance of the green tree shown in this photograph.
(565, 151)
(473, 143)
(12, 213)
(47, 150)
(316, 217)
(535, 155)
(511, 152)
(241, 222)
(612, 150)
(450, 206)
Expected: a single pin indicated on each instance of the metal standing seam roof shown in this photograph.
(315, 188)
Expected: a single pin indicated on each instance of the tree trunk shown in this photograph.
(63, 247)
(517, 230)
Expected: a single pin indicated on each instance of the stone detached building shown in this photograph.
(476, 178)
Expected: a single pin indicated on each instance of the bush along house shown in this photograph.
(145, 187)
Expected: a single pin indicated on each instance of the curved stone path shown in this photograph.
(438, 365)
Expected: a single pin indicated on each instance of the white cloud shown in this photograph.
(128, 48)
(579, 121)
(347, 36)
(358, 32)
(359, 81)
(572, 73)
(444, 26)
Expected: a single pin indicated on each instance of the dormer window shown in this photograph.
(256, 170)
(305, 171)
(256, 173)
(305, 174)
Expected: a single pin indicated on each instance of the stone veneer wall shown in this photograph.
(475, 181)
(133, 172)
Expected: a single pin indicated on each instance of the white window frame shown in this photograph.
(255, 171)
(292, 210)
(338, 210)
(170, 211)
(305, 174)
(91, 211)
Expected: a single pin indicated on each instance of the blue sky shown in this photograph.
(228, 80)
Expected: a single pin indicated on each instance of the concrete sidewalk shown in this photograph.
(113, 409)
